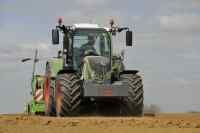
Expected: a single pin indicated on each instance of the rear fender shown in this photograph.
(53, 66)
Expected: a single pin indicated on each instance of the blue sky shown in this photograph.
(167, 50)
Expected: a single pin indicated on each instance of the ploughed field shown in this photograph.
(176, 123)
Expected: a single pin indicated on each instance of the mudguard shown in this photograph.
(53, 66)
(129, 72)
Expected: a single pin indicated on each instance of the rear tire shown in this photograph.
(133, 104)
(68, 95)
(49, 98)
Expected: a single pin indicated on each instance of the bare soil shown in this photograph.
(160, 123)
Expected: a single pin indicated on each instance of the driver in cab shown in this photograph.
(88, 48)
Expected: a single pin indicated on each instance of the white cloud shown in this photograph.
(90, 3)
(16, 53)
(41, 46)
(180, 23)
(177, 6)
(195, 3)
(191, 56)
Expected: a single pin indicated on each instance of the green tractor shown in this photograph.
(36, 105)
(87, 74)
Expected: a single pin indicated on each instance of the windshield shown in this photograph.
(90, 42)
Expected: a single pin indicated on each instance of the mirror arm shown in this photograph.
(114, 30)
(64, 28)
(122, 29)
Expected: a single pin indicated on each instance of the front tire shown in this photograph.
(133, 104)
(68, 95)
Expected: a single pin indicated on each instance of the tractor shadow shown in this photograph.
(102, 108)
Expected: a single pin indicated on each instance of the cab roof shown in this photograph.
(88, 26)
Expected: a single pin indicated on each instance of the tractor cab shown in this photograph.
(88, 45)
(90, 42)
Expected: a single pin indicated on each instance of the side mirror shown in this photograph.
(129, 38)
(55, 36)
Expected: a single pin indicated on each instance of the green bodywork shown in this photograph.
(96, 68)
(55, 64)
(36, 107)
(117, 65)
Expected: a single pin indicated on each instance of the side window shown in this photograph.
(105, 49)
(97, 45)
(79, 41)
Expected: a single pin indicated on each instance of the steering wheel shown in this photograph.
(90, 52)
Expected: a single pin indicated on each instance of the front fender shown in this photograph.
(129, 72)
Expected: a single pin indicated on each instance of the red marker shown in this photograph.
(60, 20)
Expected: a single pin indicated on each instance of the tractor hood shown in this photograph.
(96, 68)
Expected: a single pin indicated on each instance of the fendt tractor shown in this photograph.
(86, 72)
